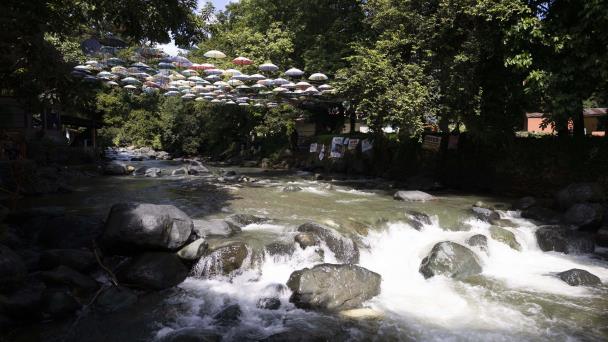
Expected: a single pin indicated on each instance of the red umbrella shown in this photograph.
(242, 61)
(204, 66)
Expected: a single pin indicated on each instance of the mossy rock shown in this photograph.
(505, 236)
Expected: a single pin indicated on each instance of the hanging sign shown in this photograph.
(337, 147)
(322, 153)
(366, 145)
(313, 147)
(431, 143)
(352, 144)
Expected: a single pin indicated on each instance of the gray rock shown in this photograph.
(503, 223)
(478, 240)
(153, 172)
(115, 169)
(306, 240)
(77, 259)
(218, 227)
(525, 203)
(191, 335)
(222, 259)
(115, 298)
(292, 188)
(12, 268)
(242, 220)
(579, 193)
(25, 302)
(64, 275)
(413, 196)
(450, 259)
(154, 271)
(194, 250)
(280, 248)
(333, 287)
(505, 236)
(578, 277)
(271, 303)
(564, 240)
(135, 226)
(344, 249)
(417, 219)
(179, 172)
(59, 303)
(587, 216)
(230, 315)
(485, 214)
(540, 214)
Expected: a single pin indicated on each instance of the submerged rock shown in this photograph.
(579, 193)
(179, 172)
(450, 259)
(115, 169)
(413, 196)
(280, 248)
(478, 240)
(306, 240)
(585, 215)
(271, 303)
(505, 236)
(242, 220)
(417, 219)
(153, 271)
(12, 268)
(218, 227)
(140, 226)
(222, 259)
(292, 188)
(230, 315)
(194, 250)
(191, 335)
(485, 214)
(333, 287)
(344, 249)
(564, 240)
(153, 172)
(578, 277)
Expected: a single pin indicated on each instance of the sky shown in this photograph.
(219, 5)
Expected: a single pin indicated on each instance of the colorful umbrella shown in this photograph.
(214, 54)
(268, 67)
(293, 72)
(242, 61)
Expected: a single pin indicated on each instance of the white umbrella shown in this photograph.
(293, 72)
(130, 87)
(172, 93)
(243, 87)
(289, 85)
(199, 99)
(325, 87)
(302, 85)
(234, 82)
(279, 90)
(112, 84)
(268, 67)
(188, 96)
(130, 80)
(311, 90)
(241, 77)
(258, 86)
(318, 77)
(257, 77)
(231, 72)
(221, 84)
(214, 54)
(195, 79)
(280, 81)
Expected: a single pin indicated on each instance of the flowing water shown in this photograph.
(517, 297)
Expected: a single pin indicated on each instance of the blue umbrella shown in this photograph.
(164, 65)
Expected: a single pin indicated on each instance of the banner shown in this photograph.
(337, 147)
(352, 144)
(431, 143)
(366, 145)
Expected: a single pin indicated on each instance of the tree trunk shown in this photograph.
(578, 120)
(353, 120)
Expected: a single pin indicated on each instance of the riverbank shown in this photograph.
(239, 286)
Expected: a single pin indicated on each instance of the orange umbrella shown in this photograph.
(242, 61)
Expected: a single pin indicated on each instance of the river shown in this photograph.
(516, 298)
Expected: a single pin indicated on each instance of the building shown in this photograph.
(595, 122)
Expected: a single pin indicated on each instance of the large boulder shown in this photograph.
(563, 239)
(242, 220)
(579, 193)
(450, 259)
(505, 236)
(578, 277)
(153, 172)
(333, 287)
(344, 249)
(413, 196)
(78, 259)
(306, 240)
(417, 219)
(222, 259)
(115, 169)
(12, 268)
(540, 214)
(154, 271)
(218, 227)
(135, 226)
(586, 216)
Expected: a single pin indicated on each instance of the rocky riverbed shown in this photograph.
(174, 250)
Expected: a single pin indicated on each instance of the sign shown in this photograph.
(322, 153)
(431, 143)
(313, 147)
(337, 147)
(366, 145)
(352, 144)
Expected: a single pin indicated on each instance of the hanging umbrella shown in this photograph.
(266, 82)
(165, 65)
(311, 90)
(318, 77)
(203, 66)
(212, 78)
(293, 72)
(130, 80)
(231, 72)
(241, 77)
(279, 90)
(199, 99)
(325, 87)
(195, 79)
(178, 77)
(152, 84)
(234, 82)
(114, 61)
(214, 71)
(130, 87)
(188, 96)
(83, 68)
(140, 65)
(190, 72)
(289, 85)
(214, 54)
(112, 84)
(258, 86)
(106, 74)
(243, 87)
(302, 85)
(257, 77)
(242, 61)
(181, 61)
(268, 67)
(172, 93)
(280, 81)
